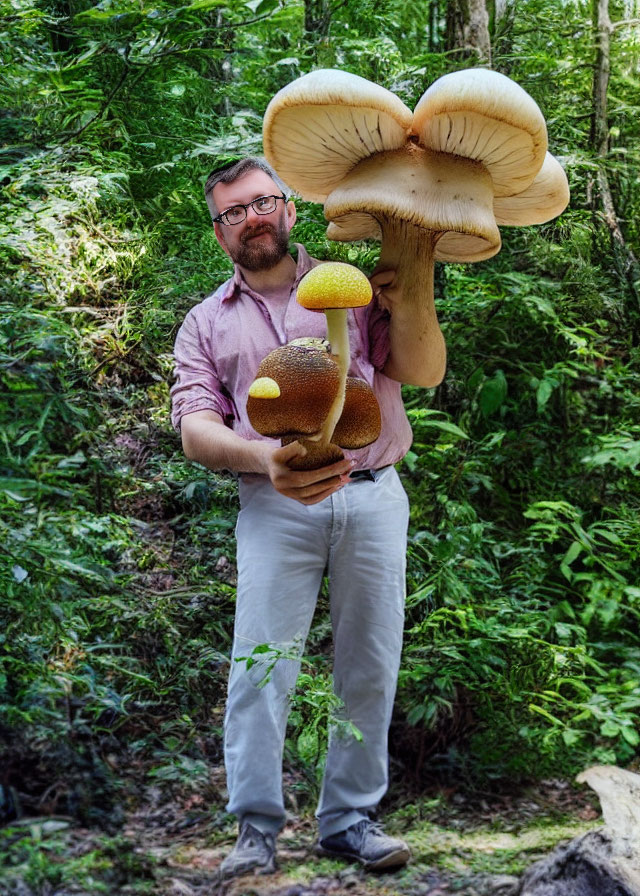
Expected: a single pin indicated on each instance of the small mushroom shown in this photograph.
(432, 185)
(333, 287)
(294, 391)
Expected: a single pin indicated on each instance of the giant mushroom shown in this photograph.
(434, 184)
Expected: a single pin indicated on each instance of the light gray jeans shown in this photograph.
(359, 535)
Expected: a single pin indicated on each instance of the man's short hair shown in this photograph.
(234, 169)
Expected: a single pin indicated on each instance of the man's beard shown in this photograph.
(261, 256)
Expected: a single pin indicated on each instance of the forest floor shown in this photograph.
(170, 842)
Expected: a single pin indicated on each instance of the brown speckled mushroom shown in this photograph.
(359, 425)
(360, 422)
(432, 185)
(292, 395)
(294, 389)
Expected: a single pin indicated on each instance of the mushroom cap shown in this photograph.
(545, 198)
(435, 191)
(334, 284)
(481, 114)
(330, 134)
(264, 387)
(308, 379)
(321, 125)
(360, 422)
(451, 246)
(359, 425)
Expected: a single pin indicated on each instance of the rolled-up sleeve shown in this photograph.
(197, 386)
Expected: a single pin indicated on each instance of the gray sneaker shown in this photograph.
(367, 843)
(254, 851)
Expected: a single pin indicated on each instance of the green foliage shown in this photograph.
(42, 856)
(524, 555)
(117, 589)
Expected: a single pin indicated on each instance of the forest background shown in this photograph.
(522, 654)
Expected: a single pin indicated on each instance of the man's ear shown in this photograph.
(220, 237)
(291, 213)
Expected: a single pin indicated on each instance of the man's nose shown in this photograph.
(252, 216)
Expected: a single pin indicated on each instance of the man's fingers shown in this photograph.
(301, 478)
(313, 495)
(319, 497)
(383, 278)
(385, 288)
(287, 452)
(306, 486)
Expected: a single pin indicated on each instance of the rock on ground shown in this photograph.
(584, 867)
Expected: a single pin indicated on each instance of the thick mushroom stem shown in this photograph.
(409, 250)
(338, 337)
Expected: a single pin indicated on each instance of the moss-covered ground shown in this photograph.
(171, 841)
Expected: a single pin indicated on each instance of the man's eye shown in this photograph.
(236, 212)
(264, 202)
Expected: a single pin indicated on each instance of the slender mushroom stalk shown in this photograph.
(338, 336)
(333, 287)
(433, 184)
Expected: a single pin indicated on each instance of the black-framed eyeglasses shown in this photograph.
(263, 205)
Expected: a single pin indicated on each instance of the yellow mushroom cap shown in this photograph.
(264, 387)
(334, 284)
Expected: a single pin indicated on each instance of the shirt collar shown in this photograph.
(237, 284)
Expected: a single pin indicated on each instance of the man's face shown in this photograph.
(260, 241)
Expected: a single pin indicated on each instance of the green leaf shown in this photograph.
(544, 392)
(571, 736)
(631, 735)
(572, 554)
(492, 394)
(610, 728)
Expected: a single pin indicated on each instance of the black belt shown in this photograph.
(363, 474)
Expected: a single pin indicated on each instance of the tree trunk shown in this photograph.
(626, 262)
(434, 25)
(317, 18)
(467, 30)
(602, 29)
(501, 34)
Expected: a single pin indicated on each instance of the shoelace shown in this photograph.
(249, 837)
(366, 825)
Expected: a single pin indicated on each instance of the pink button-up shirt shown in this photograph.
(223, 340)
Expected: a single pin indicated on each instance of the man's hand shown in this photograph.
(417, 354)
(385, 288)
(305, 486)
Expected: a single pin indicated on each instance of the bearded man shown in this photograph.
(349, 519)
